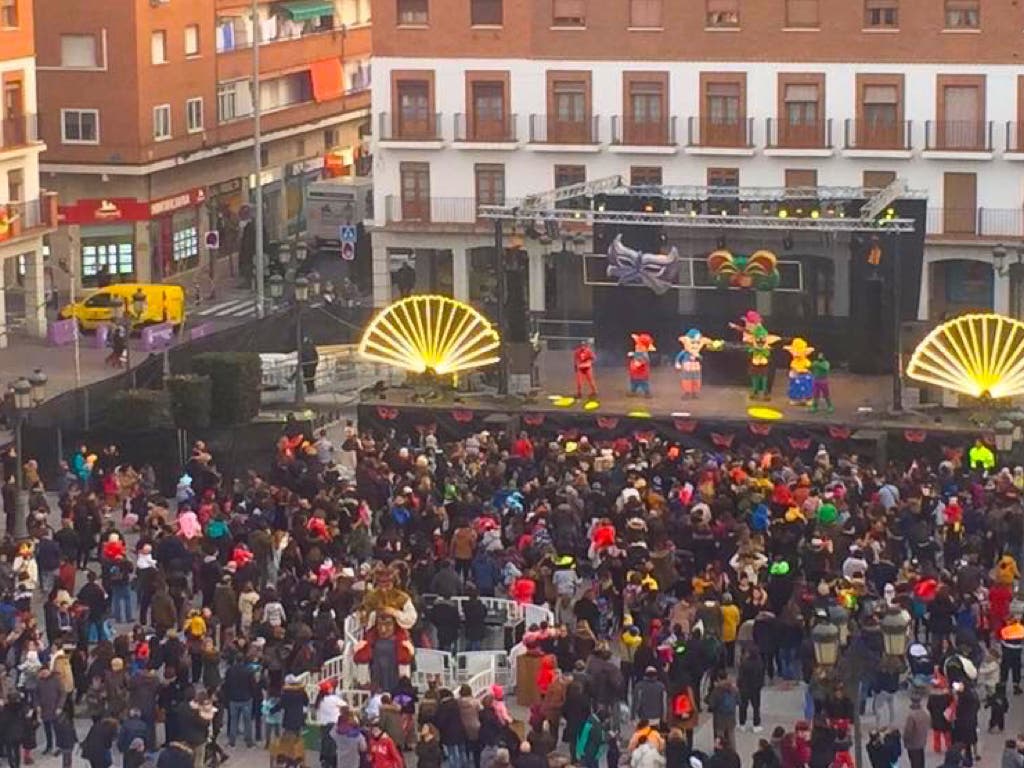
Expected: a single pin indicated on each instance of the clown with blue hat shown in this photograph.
(688, 361)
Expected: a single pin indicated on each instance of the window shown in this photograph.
(8, 13)
(722, 120)
(415, 181)
(881, 14)
(567, 175)
(800, 119)
(645, 176)
(960, 203)
(194, 115)
(330, 138)
(488, 110)
(722, 14)
(162, 122)
(801, 178)
(723, 177)
(645, 14)
(284, 91)
(185, 243)
(645, 123)
(878, 179)
(192, 40)
(485, 13)
(118, 258)
(802, 14)
(961, 124)
(158, 47)
(227, 104)
(801, 101)
(490, 183)
(413, 12)
(414, 108)
(723, 103)
(568, 13)
(963, 14)
(78, 51)
(570, 101)
(15, 185)
(80, 126)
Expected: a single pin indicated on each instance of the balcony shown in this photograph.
(433, 213)
(31, 218)
(565, 135)
(720, 137)
(285, 52)
(18, 131)
(470, 129)
(870, 137)
(960, 138)
(812, 138)
(420, 129)
(975, 223)
(628, 135)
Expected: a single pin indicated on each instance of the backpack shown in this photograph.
(727, 703)
(682, 706)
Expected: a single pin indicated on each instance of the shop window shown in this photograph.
(963, 14)
(487, 13)
(413, 12)
(194, 114)
(569, 13)
(8, 13)
(802, 14)
(162, 122)
(117, 257)
(158, 47)
(881, 14)
(192, 40)
(78, 51)
(80, 126)
(645, 14)
(185, 243)
(722, 13)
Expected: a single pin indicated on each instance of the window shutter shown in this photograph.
(77, 51)
(881, 94)
(801, 93)
(962, 5)
(569, 11)
(723, 6)
(961, 104)
(645, 13)
(880, 5)
(801, 13)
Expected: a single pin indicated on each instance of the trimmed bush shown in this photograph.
(135, 410)
(235, 379)
(191, 398)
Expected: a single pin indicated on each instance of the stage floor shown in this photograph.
(859, 401)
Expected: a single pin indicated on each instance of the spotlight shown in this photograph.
(783, 213)
(815, 214)
(693, 213)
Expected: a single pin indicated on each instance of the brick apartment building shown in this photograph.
(483, 101)
(27, 213)
(146, 108)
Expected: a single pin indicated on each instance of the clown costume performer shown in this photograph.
(640, 364)
(801, 382)
(583, 365)
(688, 361)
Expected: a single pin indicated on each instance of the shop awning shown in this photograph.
(304, 10)
(328, 79)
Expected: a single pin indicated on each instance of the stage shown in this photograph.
(720, 418)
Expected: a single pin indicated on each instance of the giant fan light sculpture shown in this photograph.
(980, 355)
(431, 334)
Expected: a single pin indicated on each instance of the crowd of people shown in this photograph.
(681, 584)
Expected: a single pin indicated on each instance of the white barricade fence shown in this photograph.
(481, 682)
(434, 664)
(536, 614)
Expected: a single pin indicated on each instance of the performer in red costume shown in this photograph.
(583, 364)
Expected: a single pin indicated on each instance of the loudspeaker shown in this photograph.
(516, 307)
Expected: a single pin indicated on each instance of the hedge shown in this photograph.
(235, 379)
(134, 410)
(191, 401)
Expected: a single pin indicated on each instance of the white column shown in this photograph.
(381, 273)
(1001, 293)
(35, 292)
(460, 273)
(925, 291)
(537, 277)
(4, 328)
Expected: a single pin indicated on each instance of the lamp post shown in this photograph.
(28, 393)
(894, 632)
(301, 296)
(276, 283)
(825, 636)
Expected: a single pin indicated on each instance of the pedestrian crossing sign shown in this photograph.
(348, 251)
(348, 233)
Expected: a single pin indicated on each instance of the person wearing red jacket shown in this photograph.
(382, 751)
(583, 364)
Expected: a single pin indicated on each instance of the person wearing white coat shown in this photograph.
(646, 755)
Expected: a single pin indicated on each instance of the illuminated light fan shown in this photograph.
(434, 334)
(979, 355)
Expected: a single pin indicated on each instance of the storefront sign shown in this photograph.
(103, 211)
(168, 205)
(311, 165)
(230, 187)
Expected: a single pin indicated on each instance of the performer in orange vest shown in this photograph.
(583, 364)
(1011, 638)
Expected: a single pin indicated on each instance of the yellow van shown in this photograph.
(164, 304)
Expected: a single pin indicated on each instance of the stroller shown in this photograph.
(921, 664)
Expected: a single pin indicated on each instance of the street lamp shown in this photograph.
(825, 636)
(840, 617)
(894, 632)
(1004, 435)
(314, 283)
(301, 295)
(276, 288)
(301, 251)
(28, 392)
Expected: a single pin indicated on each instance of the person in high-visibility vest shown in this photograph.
(981, 456)
(1011, 638)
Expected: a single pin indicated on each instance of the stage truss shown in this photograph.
(761, 208)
